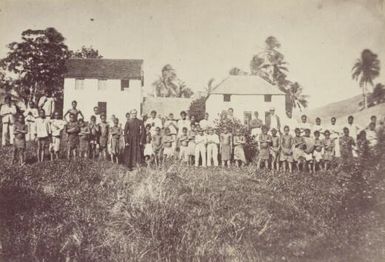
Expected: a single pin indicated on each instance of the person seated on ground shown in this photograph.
(275, 149)
(116, 133)
(148, 152)
(298, 147)
(42, 134)
(156, 141)
(20, 129)
(84, 138)
(76, 112)
(72, 129)
(264, 148)
(212, 147)
(317, 153)
(328, 153)
(226, 146)
(183, 141)
(286, 156)
(104, 129)
(347, 145)
(239, 148)
(57, 126)
(308, 150)
(167, 142)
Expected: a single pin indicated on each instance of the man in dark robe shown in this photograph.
(134, 134)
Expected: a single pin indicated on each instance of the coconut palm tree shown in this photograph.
(295, 97)
(365, 70)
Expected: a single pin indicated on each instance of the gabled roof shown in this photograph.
(246, 85)
(166, 105)
(104, 68)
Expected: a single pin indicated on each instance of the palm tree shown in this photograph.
(295, 97)
(365, 70)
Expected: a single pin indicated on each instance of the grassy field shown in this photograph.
(96, 211)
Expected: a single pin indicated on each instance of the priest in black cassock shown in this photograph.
(134, 134)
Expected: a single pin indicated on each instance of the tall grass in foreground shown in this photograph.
(88, 211)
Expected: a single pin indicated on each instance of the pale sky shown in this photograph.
(204, 39)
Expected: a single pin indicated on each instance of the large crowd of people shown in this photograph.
(282, 144)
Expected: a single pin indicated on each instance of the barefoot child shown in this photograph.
(57, 125)
(226, 144)
(275, 149)
(94, 137)
(212, 147)
(104, 129)
(183, 146)
(308, 149)
(239, 152)
(42, 134)
(286, 156)
(116, 132)
(20, 129)
(168, 149)
(200, 147)
(148, 152)
(264, 148)
(317, 153)
(298, 146)
(191, 144)
(328, 145)
(84, 138)
(72, 129)
(156, 141)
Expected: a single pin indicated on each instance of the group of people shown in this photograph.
(282, 144)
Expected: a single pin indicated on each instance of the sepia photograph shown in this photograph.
(203, 130)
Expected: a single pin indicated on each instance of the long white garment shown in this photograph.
(200, 149)
(7, 113)
(335, 134)
(212, 149)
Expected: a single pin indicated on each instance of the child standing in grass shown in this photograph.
(148, 152)
(183, 146)
(167, 141)
(20, 129)
(57, 125)
(156, 141)
(200, 147)
(42, 134)
(104, 129)
(264, 148)
(116, 133)
(212, 147)
(275, 149)
(226, 144)
(286, 156)
(328, 145)
(317, 153)
(84, 138)
(72, 129)
(94, 137)
(308, 149)
(347, 145)
(239, 151)
(298, 146)
(191, 144)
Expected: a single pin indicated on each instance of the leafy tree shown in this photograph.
(198, 108)
(85, 52)
(378, 95)
(38, 61)
(365, 70)
(169, 85)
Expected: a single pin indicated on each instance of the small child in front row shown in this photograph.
(183, 146)
(328, 145)
(226, 145)
(167, 141)
(239, 151)
(156, 141)
(84, 138)
(264, 148)
(104, 129)
(20, 129)
(212, 147)
(308, 149)
(286, 156)
(317, 153)
(298, 146)
(148, 152)
(275, 149)
(116, 132)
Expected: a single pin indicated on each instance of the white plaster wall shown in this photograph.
(241, 103)
(118, 102)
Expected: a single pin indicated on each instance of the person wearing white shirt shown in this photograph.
(172, 124)
(371, 135)
(304, 124)
(30, 115)
(200, 148)
(154, 122)
(56, 126)
(183, 122)
(354, 129)
(335, 133)
(273, 121)
(256, 125)
(47, 103)
(7, 112)
(42, 133)
(318, 126)
(212, 147)
(205, 123)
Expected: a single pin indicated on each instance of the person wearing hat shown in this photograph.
(7, 112)
(273, 120)
(135, 134)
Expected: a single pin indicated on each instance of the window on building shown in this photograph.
(267, 98)
(102, 108)
(79, 84)
(124, 83)
(226, 98)
(102, 84)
